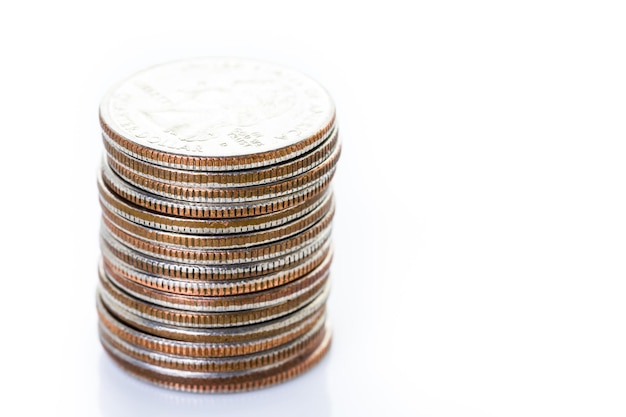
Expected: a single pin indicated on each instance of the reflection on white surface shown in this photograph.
(122, 394)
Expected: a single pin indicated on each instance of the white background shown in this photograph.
(481, 227)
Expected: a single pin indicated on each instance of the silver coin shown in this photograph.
(168, 371)
(217, 107)
(206, 195)
(183, 361)
(318, 260)
(208, 256)
(222, 241)
(209, 270)
(220, 336)
(111, 297)
(228, 179)
(221, 208)
(222, 303)
(144, 217)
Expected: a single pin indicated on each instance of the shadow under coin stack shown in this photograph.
(216, 223)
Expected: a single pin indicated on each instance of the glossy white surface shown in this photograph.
(480, 229)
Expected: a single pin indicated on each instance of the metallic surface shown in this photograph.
(218, 110)
(209, 179)
(198, 348)
(214, 382)
(114, 203)
(207, 241)
(113, 295)
(320, 259)
(217, 214)
(216, 210)
(221, 256)
(220, 337)
(194, 194)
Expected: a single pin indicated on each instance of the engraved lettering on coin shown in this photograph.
(217, 107)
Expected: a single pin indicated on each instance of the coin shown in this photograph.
(112, 295)
(219, 337)
(263, 359)
(234, 240)
(273, 296)
(319, 259)
(269, 174)
(227, 195)
(136, 214)
(218, 382)
(217, 114)
(215, 190)
(196, 346)
(217, 210)
(217, 256)
(111, 248)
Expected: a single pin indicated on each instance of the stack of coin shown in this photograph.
(216, 223)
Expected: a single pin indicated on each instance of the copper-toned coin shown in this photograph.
(228, 256)
(235, 240)
(217, 215)
(157, 221)
(250, 193)
(112, 248)
(217, 114)
(270, 339)
(228, 179)
(264, 359)
(219, 337)
(318, 260)
(176, 317)
(196, 210)
(220, 382)
(274, 296)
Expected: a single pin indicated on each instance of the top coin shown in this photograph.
(217, 114)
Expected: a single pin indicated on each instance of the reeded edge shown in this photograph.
(203, 349)
(192, 319)
(221, 256)
(259, 380)
(159, 221)
(113, 248)
(316, 261)
(217, 335)
(256, 361)
(216, 164)
(224, 241)
(224, 179)
(178, 208)
(223, 195)
(230, 303)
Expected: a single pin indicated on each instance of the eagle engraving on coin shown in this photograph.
(206, 106)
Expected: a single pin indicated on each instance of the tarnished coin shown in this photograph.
(274, 296)
(112, 248)
(223, 210)
(217, 216)
(228, 338)
(254, 361)
(112, 295)
(217, 114)
(219, 256)
(129, 211)
(223, 179)
(221, 382)
(317, 260)
(250, 193)
(220, 241)
(257, 338)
